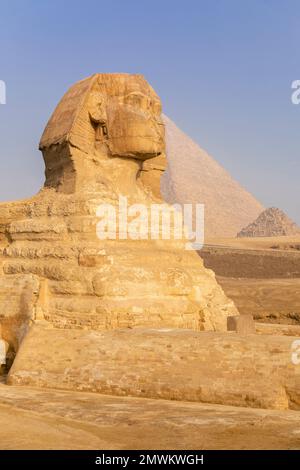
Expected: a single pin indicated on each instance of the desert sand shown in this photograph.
(51, 419)
(261, 275)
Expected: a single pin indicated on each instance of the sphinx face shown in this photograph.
(130, 122)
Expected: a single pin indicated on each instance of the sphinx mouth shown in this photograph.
(139, 155)
(146, 156)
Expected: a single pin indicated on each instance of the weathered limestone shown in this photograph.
(241, 324)
(226, 368)
(105, 139)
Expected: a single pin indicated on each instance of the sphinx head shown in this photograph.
(106, 116)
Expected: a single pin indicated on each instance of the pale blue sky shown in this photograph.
(223, 69)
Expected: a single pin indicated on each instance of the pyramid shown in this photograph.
(193, 176)
(272, 222)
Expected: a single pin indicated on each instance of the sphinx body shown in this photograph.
(105, 139)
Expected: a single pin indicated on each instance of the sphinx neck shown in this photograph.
(71, 170)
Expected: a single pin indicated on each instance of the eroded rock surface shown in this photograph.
(184, 365)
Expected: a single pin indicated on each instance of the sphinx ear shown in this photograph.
(98, 116)
(97, 108)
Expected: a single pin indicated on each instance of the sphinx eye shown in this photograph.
(137, 99)
(156, 107)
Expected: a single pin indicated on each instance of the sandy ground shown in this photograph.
(271, 300)
(262, 243)
(261, 275)
(38, 419)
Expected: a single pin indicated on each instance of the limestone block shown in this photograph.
(253, 371)
(241, 324)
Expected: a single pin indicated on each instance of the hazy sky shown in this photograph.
(222, 68)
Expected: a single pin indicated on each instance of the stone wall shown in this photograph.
(224, 368)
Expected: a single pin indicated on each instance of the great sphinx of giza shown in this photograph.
(105, 139)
